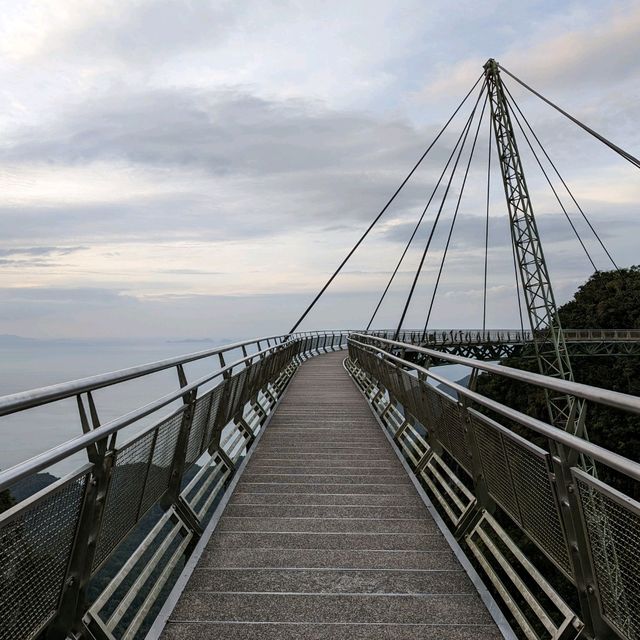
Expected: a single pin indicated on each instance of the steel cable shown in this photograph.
(621, 152)
(455, 216)
(437, 218)
(555, 193)
(564, 184)
(415, 230)
(382, 211)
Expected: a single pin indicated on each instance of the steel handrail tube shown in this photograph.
(601, 396)
(35, 397)
(610, 459)
(590, 574)
(65, 449)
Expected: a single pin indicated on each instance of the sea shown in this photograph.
(27, 364)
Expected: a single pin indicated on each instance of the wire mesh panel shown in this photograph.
(419, 399)
(448, 423)
(517, 475)
(229, 390)
(413, 395)
(613, 528)
(237, 399)
(164, 448)
(454, 428)
(36, 539)
(404, 389)
(393, 381)
(434, 408)
(198, 428)
(251, 375)
(216, 398)
(494, 463)
(125, 493)
(539, 510)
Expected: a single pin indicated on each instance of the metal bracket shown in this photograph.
(187, 515)
(225, 458)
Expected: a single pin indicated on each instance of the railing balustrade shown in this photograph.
(495, 484)
(500, 477)
(53, 544)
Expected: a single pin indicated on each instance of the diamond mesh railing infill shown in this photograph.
(71, 542)
(591, 536)
(620, 589)
(36, 540)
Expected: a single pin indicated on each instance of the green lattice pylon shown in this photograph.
(551, 349)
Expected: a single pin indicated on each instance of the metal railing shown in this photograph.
(497, 473)
(164, 482)
(152, 493)
(516, 336)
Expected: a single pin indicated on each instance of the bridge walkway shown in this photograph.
(325, 536)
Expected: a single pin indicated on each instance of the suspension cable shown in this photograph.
(455, 215)
(555, 193)
(515, 271)
(437, 218)
(621, 152)
(415, 229)
(382, 211)
(564, 184)
(486, 237)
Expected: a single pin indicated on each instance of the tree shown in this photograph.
(608, 300)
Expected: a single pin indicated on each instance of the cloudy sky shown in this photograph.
(197, 168)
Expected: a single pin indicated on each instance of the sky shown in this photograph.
(190, 169)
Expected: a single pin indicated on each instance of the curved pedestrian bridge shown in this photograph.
(326, 537)
(282, 495)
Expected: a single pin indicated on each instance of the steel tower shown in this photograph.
(551, 349)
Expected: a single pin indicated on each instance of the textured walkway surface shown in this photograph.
(326, 538)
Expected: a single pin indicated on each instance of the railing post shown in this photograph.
(480, 489)
(575, 530)
(73, 600)
(180, 452)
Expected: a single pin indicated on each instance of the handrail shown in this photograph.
(587, 392)
(43, 395)
(524, 470)
(65, 449)
(609, 458)
(509, 335)
(205, 430)
(30, 398)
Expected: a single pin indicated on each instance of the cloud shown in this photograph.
(170, 162)
(561, 52)
(40, 251)
(225, 164)
(144, 28)
(223, 132)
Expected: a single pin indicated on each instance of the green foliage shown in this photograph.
(608, 300)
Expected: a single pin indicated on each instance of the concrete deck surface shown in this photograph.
(325, 536)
